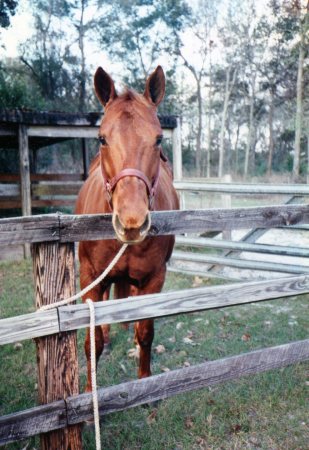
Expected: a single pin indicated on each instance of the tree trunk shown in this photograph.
(299, 109)
(198, 154)
(271, 132)
(227, 93)
(208, 172)
(236, 162)
(82, 83)
(250, 129)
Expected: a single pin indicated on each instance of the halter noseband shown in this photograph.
(110, 185)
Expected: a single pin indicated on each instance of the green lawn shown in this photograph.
(267, 411)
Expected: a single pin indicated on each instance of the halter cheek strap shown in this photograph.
(110, 185)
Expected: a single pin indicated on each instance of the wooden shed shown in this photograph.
(26, 131)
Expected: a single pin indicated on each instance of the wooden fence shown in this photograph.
(53, 236)
(230, 254)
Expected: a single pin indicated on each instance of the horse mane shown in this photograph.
(94, 163)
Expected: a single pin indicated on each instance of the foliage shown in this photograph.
(7, 9)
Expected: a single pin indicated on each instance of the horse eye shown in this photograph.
(102, 140)
(159, 140)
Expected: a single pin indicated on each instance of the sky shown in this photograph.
(22, 27)
(19, 31)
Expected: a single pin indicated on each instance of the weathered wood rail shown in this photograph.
(60, 414)
(68, 318)
(242, 246)
(242, 188)
(54, 235)
(70, 228)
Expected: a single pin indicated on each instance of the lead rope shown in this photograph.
(92, 337)
(94, 376)
(90, 286)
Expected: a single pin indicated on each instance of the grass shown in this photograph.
(267, 411)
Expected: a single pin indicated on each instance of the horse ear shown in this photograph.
(104, 86)
(155, 86)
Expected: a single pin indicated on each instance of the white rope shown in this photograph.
(90, 286)
(94, 375)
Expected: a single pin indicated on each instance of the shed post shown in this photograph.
(85, 152)
(25, 184)
(54, 275)
(177, 154)
(177, 159)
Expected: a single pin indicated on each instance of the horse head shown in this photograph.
(130, 136)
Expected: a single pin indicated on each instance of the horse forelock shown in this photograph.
(130, 102)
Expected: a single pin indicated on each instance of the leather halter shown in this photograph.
(151, 187)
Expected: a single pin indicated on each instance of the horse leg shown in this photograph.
(106, 328)
(144, 329)
(144, 333)
(95, 294)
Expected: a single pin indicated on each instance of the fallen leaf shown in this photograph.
(246, 337)
(236, 428)
(165, 369)
(187, 340)
(134, 352)
(172, 339)
(197, 281)
(179, 325)
(189, 423)
(18, 346)
(123, 367)
(160, 349)
(201, 442)
(152, 417)
(186, 364)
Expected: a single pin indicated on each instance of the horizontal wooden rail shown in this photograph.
(241, 188)
(201, 242)
(79, 408)
(239, 263)
(51, 189)
(15, 177)
(69, 228)
(15, 203)
(149, 306)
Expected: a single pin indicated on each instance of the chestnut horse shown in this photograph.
(129, 177)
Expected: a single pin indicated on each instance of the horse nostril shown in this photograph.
(146, 225)
(118, 225)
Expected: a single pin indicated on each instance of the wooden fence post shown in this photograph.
(54, 273)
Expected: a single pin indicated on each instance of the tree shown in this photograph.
(139, 33)
(48, 56)
(302, 14)
(198, 62)
(7, 9)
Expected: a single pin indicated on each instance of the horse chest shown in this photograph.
(137, 263)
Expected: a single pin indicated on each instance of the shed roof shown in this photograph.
(10, 119)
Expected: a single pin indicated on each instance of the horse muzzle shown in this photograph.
(129, 234)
